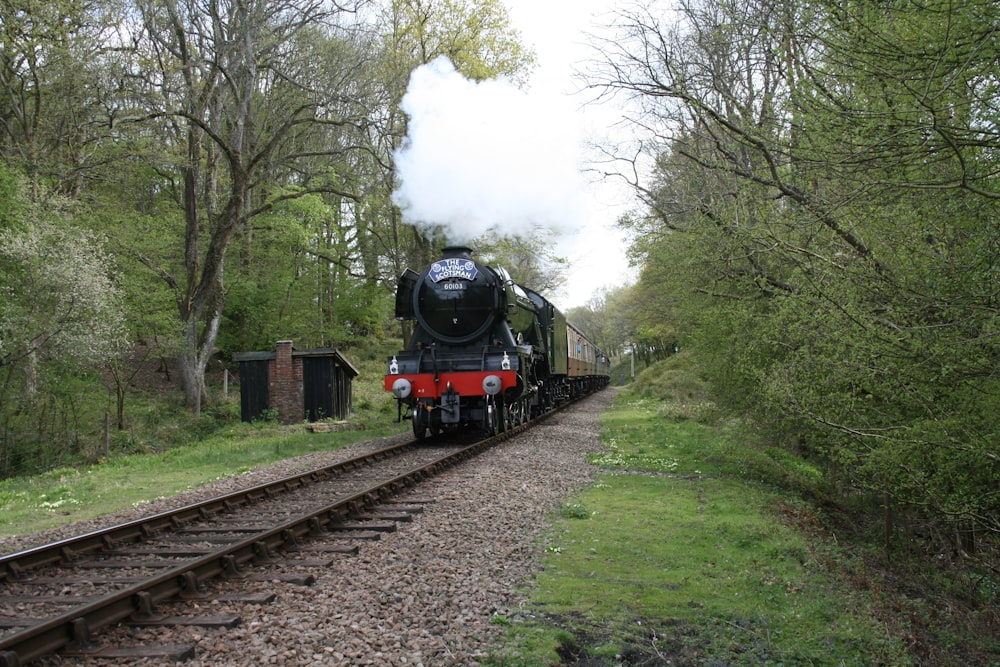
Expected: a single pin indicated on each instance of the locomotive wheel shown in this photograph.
(517, 413)
(503, 415)
(489, 419)
(420, 418)
(514, 414)
(496, 416)
(525, 411)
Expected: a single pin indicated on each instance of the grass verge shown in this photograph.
(57, 497)
(678, 556)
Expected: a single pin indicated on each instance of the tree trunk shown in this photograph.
(195, 353)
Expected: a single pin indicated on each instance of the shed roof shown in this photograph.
(315, 352)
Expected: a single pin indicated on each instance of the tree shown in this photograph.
(57, 305)
(824, 200)
(609, 319)
(528, 258)
(60, 313)
(53, 108)
(246, 93)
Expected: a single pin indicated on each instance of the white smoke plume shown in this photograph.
(481, 156)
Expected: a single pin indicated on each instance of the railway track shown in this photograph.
(59, 597)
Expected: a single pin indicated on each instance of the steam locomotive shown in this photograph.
(485, 351)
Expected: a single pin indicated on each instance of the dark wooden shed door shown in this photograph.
(318, 394)
(254, 395)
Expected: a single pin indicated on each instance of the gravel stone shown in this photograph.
(425, 595)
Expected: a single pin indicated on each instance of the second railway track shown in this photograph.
(61, 596)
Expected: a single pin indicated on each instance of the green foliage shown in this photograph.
(13, 211)
(318, 299)
(527, 258)
(824, 242)
(60, 316)
(610, 318)
(54, 57)
(574, 510)
(676, 385)
(476, 36)
(60, 299)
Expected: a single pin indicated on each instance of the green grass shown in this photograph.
(167, 451)
(29, 504)
(640, 436)
(680, 554)
(705, 568)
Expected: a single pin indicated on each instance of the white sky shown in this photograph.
(482, 155)
(557, 30)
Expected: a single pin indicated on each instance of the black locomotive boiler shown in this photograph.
(485, 351)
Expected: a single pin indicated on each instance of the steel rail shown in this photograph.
(15, 565)
(77, 626)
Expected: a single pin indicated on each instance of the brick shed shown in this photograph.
(297, 384)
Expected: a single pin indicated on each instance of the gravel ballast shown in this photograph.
(429, 593)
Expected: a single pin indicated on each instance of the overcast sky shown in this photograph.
(486, 154)
(557, 30)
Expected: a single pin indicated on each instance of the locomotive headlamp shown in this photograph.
(401, 388)
(492, 385)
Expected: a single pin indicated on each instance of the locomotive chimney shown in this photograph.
(457, 252)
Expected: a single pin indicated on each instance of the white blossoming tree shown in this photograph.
(60, 312)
